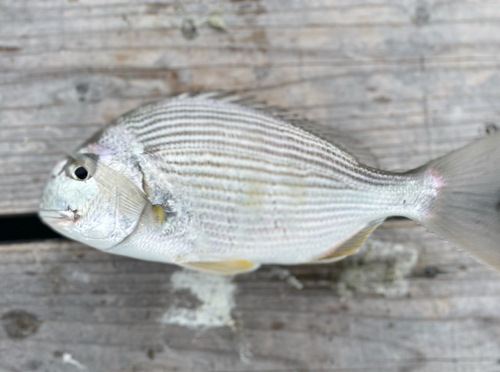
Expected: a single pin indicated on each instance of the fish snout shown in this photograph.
(57, 217)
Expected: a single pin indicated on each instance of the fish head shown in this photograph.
(80, 204)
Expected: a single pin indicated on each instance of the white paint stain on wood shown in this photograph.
(216, 294)
(67, 358)
(380, 268)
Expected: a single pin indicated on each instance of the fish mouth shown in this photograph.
(58, 215)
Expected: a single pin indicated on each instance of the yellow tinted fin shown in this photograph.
(223, 267)
(349, 246)
(158, 213)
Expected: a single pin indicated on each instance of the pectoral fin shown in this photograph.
(157, 211)
(348, 246)
(223, 267)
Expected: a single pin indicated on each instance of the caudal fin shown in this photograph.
(467, 208)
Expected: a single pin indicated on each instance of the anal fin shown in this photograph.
(348, 246)
(223, 267)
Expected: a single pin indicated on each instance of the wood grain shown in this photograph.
(412, 80)
(105, 312)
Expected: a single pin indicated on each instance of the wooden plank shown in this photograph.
(66, 307)
(412, 80)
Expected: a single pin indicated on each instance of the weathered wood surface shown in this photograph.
(74, 308)
(411, 79)
(414, 78)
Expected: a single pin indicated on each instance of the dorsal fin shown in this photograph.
(327, 133)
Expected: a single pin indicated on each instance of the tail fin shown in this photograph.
(467, 208)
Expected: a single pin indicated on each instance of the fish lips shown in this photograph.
(54, 217)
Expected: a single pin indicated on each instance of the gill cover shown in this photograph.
(131, 201)
(100, 211)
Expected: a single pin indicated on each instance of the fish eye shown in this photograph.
(77, 171)
(80, 173)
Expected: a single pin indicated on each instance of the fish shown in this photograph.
(221, 183)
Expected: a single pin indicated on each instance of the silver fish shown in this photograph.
(221, 184)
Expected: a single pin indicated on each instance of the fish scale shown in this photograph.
(200, 129)
(254, 144)
(219, 183)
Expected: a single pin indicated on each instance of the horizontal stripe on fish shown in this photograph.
(230, 134)
(291, 231)
(350, 175)
(307, 221)
(225, 157)
(318, 242)
(206, 120)
(229, 176)
(171, 127)
(200, 109)
(217, 200)
(249, 175)
(221, 237)
(350, 209)
(167, 125)
(210, 112)
(372, 175)
(223, 179)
